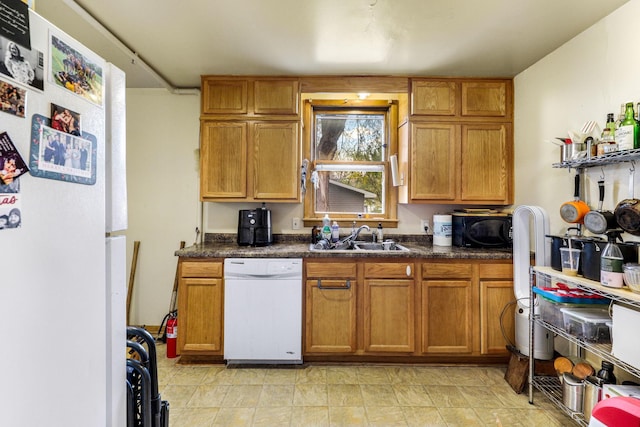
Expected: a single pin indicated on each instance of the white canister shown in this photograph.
(442, 230)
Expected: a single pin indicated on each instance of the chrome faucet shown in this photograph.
(354, 234)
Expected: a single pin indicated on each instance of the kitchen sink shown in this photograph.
(360, 246)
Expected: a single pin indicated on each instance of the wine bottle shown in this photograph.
(627, 132)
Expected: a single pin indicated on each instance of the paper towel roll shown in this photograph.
(442, 230)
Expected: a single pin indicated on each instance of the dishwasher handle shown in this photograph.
(338, 288)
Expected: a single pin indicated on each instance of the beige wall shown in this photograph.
(162, 176)
(583, 80)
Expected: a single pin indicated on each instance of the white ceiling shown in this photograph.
(170, 44)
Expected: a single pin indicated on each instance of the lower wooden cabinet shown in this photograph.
(389, 315)
(462, 307)
(357, 309)
(200, 308)
(497, 308)
(330, 309)
(447, 307)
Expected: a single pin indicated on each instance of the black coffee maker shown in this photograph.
(254, 227)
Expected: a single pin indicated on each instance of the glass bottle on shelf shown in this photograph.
(627, 133)
(611, 260)
(606, 373)
(607, 143)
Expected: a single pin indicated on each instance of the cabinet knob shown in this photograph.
(408, 270)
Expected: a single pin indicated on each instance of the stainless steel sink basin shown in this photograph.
(387, 246)
(360, 246)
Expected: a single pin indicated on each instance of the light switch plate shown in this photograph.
(295, 224)
(424, 226)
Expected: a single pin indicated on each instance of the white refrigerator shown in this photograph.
(63, 274)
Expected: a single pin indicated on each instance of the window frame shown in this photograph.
(390, 109)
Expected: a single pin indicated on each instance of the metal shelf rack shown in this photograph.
(550, 386)
(605, 159)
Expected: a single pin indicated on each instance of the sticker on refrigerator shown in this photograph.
(10, 214)
(11, 163)
(61, 156)
(25, 66)
(13, 99)
(78, 72)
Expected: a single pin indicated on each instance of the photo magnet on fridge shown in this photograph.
(11, 163)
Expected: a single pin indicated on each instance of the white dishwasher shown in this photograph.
(263, 310)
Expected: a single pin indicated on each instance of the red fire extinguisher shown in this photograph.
(172, 336)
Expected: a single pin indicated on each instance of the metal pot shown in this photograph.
(627, 212)
(592, 395)
(574, 211)
(572, 391)
(599, 221)
(570, 150)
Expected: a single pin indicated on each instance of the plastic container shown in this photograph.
(570, 259)
(632, 276)
(551, 301)
(589, 324)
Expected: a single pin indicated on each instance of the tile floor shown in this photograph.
(358, 395)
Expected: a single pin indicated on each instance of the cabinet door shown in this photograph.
(275, 96)
(276, 161)
(495, 296)
(223, 160)
(433, 161)
(200, 316)
(436, 98)
(497, 313)
(486, 164)
(487, 99)
(330, 316)
(389, 315)
(447, 316)
(224, 96)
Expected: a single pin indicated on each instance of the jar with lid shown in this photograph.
(606, 373)
(607, 143)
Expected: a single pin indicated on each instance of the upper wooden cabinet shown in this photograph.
(247, 161)
(436, 98)
(468, 99)
(488, 99)
(250, 96)
(249, 139)
(459, 143)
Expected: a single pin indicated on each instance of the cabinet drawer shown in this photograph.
(445, 270)
(393, 270)
(496, 271)
(331, 270)
(201, 269)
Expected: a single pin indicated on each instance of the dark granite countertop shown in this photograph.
(297, 246)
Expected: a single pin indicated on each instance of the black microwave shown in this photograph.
(492, 230)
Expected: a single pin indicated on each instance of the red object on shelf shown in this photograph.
(172, 336)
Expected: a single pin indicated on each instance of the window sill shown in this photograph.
(346, 222)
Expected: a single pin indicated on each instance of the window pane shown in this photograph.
(349, 137)
(349, 191)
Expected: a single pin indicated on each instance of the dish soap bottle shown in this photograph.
(379, 233)
(335, 232)
(326, 228)
(611, 261)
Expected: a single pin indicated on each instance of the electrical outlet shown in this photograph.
(295, 224)
(424, 226)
